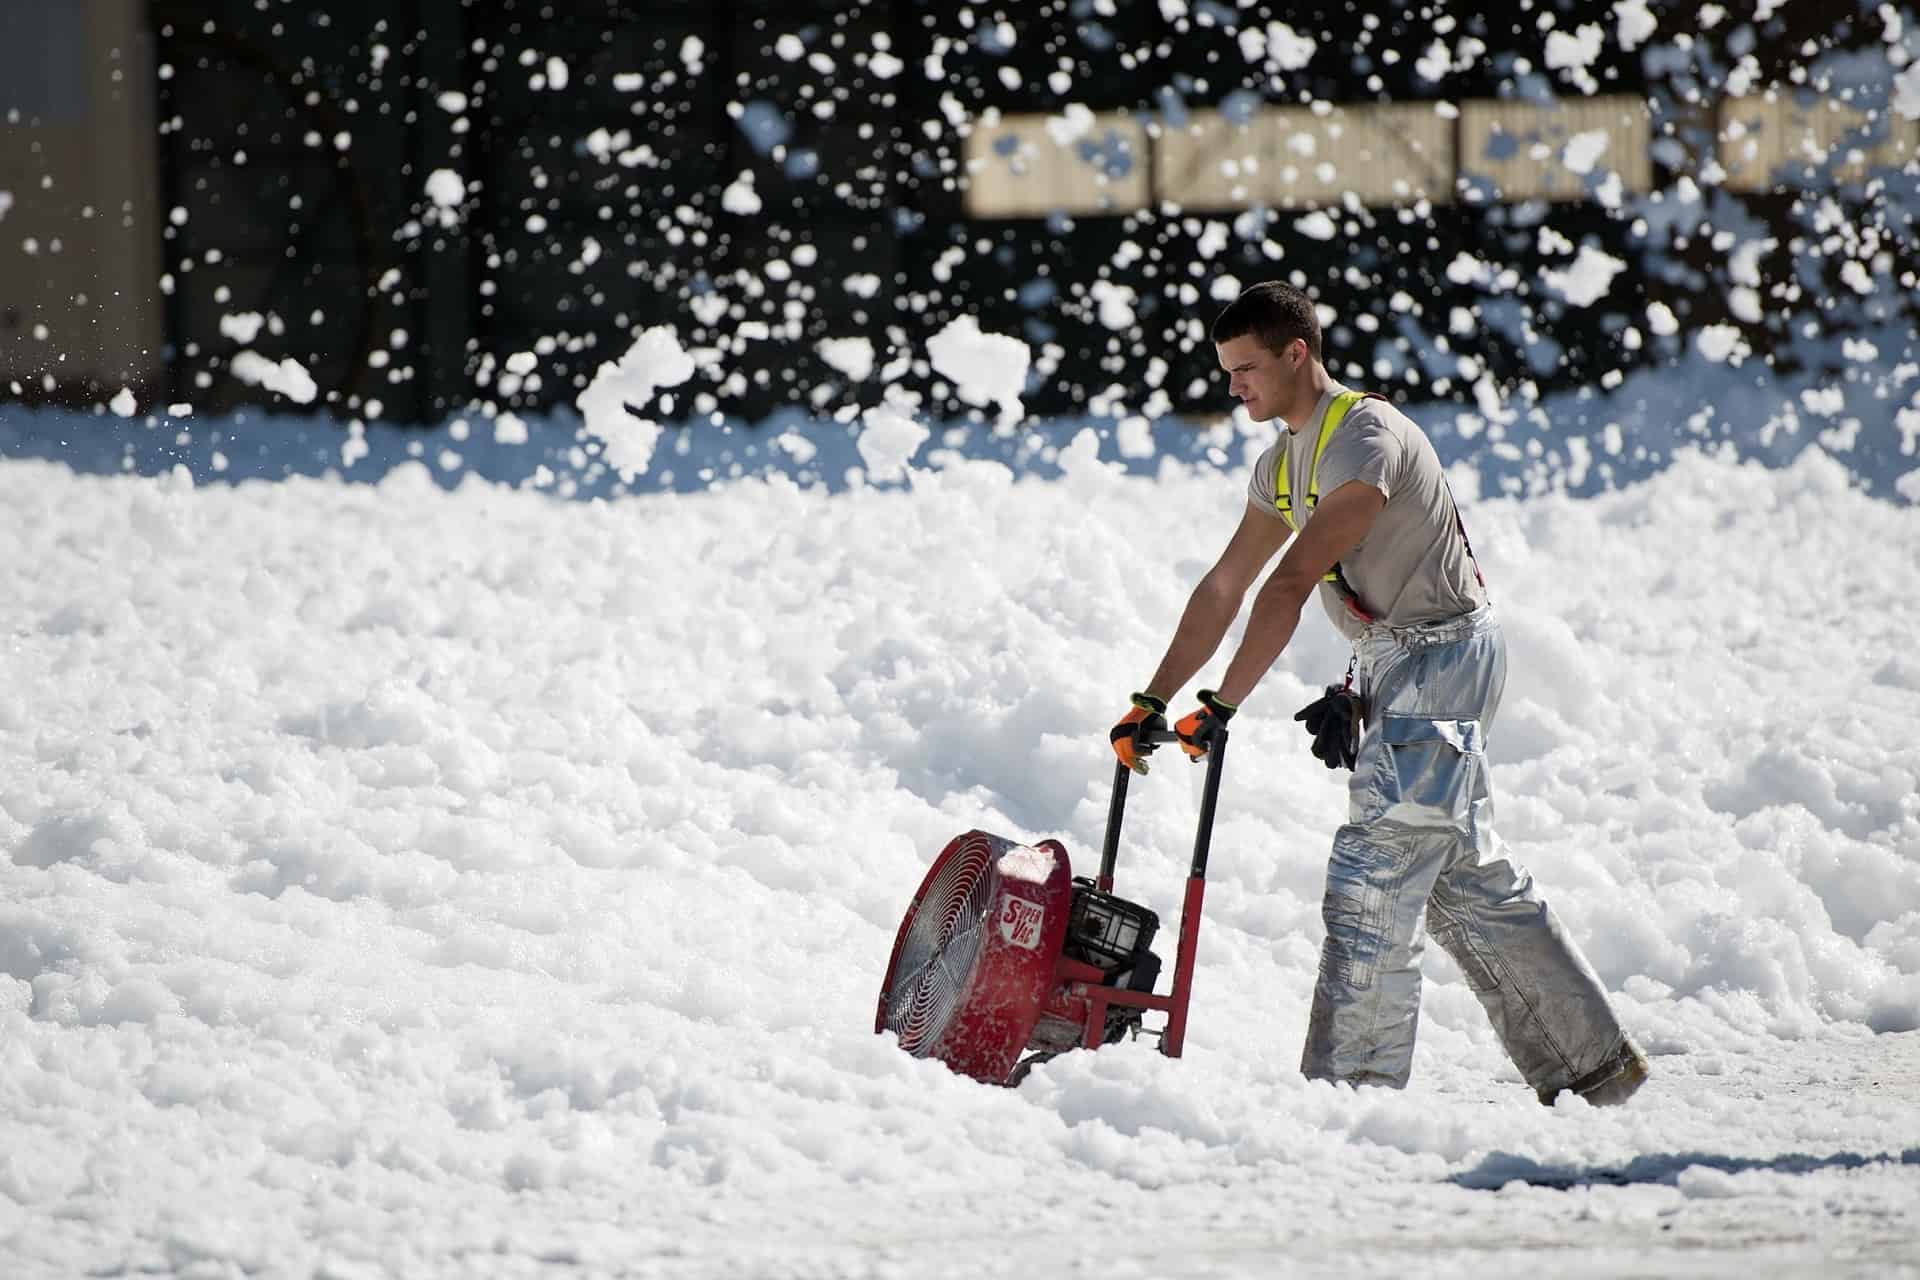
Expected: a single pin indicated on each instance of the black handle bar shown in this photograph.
(1203, 837)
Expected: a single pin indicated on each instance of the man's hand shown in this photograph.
(1334, 721)
(1199, 730)
(1130, 737)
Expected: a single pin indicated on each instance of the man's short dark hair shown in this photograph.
(1273, 312)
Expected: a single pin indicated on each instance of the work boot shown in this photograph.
(1613, 1081)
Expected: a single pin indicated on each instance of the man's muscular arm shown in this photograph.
(1216, 601)
(1338, 525)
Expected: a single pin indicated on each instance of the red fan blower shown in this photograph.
(1006, 959)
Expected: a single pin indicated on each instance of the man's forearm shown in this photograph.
(1209, 612)
(1276, 615)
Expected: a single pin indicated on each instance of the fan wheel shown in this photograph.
(940, 944)
(973, 961)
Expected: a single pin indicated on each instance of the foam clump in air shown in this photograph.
(243, 327)
(288, 376)
(447, 189)
(612, 404)
(740, 197)
(985, 368)
(1583, 151)
(851, 356)
(889, 437)
(1636, 23)
(1906, 92)
(1589, 277)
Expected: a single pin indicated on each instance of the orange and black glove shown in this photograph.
(1130, 738)
(1199, 730)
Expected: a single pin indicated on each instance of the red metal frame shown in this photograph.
(1078, 982)
(1081, 982)
(1013, 986)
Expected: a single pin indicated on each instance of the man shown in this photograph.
(1379, 536)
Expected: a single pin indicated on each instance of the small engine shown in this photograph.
(1115, 937)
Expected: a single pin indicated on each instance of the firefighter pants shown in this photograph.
(1418, 855)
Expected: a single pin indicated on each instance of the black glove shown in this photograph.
(1129, 737)
(1199, 729)
(1334, 721)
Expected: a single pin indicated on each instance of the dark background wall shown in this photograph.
(295, 142)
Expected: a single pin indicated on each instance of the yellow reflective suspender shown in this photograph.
(1337, 411)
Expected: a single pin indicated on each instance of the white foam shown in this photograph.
(615, 401)
(1906, 91)
(889, 438)
(447, 189)
(1588, 278)
(851, 356)
(985, 368)
(287, 376)
(1026, 864)
(1635, 23)
(1583, 151)
(453, 856)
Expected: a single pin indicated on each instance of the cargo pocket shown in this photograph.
(1362, 885)
(1423, 778)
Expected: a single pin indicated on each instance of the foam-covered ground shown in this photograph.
(397, 881)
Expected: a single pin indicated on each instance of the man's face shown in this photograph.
(1260, 379)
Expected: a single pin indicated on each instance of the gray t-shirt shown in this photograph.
(1413, 564)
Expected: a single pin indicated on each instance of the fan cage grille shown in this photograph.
(941, 947)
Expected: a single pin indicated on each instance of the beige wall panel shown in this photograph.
(1521, 146)
(1294, 157)
(1018, 167)
(1216, 163)
(1384, 154)
(1764, 142)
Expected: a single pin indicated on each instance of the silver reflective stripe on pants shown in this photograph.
(1418, 855)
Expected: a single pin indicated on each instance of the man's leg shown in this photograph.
(1408, 811)
(1366, 1001)
(1543, 998)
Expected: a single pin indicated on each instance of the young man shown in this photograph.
(1379, 537)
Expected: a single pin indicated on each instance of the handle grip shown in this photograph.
(1209, 797)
